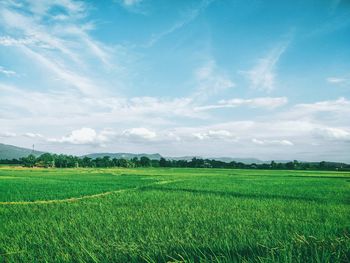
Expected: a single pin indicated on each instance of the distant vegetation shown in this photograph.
(68, 161)
(128, 156)
(12, 155)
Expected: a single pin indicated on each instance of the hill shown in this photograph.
(222, 159)
(157, 156)
(13, 152)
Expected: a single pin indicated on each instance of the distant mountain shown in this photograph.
(222, 159)
(238, 160)
(248, 160)
(128, 156)
(157, 156)
(182, 158)
(13, 152)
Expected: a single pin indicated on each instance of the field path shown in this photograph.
(75, 199)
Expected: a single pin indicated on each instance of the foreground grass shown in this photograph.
(174, 215)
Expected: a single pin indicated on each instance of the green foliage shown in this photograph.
(145, 161)
(68, 161)
(29, 161)
(169, 214)
(45, 160)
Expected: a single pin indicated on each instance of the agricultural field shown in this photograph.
(173, 215)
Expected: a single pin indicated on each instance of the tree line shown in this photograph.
(48, 160)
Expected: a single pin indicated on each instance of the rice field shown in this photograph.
(173, 215)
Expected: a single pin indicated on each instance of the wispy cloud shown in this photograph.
(72, 79)
(7, 72)
(131, 2)
(216, 135)
(210, 80)
(86, 89)
(272, 142)
(186, 19)
(332, 111)
(336, 80)
(7, 134)
(263, 74)
(339, 81)
(333, 133)
(264, 102)
(10, 41)
(64, 48)
(78, 108)
(33, 135)
(133, 6)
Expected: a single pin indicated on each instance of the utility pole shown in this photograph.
(33, 149)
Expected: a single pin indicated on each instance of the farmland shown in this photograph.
(173, 214)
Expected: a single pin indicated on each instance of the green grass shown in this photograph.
(192, 215)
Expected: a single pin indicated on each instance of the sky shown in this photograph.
(211, 78)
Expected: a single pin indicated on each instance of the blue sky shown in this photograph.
(264, 79)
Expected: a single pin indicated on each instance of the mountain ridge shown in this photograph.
(14, 152)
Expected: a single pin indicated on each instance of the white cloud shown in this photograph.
(186, 19)
(86, 136)
(7, 72)
(339, 81)
(131, 2)
(7, 134)
(35, 35)
(10, 41)
(264, 102)
(331, 111)
(64, 48)
(18, 105)
(74, 87)
(140, 133)
(29, 41)
(134, 6)
(210, 80)
(263, 75)
(330, 105)
(72, 79)
(33, 135)
(160, 116)
(72, 8)
(182, 107)
(216, 134)
(333, 133)
(336, 80)
(272, 142)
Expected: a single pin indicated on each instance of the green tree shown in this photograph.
(46, 160)
(145, 161)
(86, 162)
(273, 165)
(136, 162)
(106, 161)
(163, 162)
(29, 161)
